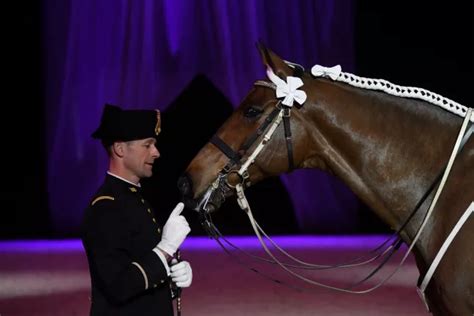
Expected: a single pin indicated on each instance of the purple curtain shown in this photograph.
(142, 54)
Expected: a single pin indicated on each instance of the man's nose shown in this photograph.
(156, 153)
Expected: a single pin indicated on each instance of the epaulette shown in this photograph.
(102, 197)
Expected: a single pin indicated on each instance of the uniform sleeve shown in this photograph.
(106, 238)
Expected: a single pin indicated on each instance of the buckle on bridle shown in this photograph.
(227, 168)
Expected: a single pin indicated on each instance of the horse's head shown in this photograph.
(239, 152)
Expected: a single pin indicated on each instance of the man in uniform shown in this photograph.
(130, 256)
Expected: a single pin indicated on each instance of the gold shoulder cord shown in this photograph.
(102, 197)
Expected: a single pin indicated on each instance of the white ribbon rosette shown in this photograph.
(289, 89)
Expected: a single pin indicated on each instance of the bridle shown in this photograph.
(238, 164)
(235, 172)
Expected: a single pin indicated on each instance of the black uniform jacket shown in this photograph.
(119, 232)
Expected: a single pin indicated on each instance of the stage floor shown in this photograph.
(51, 278)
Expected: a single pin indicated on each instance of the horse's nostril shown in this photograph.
(184, 185)
(210, 208)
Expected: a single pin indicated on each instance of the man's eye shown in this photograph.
(252, 112)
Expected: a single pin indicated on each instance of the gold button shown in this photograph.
(159, 231)
(143, 201)
(149, 211)
(162, 281)
(154, 220)
(154, 285)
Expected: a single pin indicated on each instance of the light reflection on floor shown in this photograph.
(50, 277)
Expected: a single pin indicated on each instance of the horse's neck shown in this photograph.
(387, 149)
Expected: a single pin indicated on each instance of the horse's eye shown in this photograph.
(252, 112)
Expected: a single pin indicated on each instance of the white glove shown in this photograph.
(174, 232)
(181, 273)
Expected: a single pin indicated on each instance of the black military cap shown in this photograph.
(124, 125)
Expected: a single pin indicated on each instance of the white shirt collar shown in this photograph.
(118, 177)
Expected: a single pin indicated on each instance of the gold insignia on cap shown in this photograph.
(158, 123)
(102, 197)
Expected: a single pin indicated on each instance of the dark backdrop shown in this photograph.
(426, 45)
(24, 205)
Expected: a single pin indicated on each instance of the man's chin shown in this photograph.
(147, 174)
(148, 171)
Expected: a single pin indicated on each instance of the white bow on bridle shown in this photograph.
(331, 72)
(289, 89)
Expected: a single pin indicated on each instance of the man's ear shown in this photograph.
(118, 149)
(273, 61)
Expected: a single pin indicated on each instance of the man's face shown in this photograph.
(139, 156)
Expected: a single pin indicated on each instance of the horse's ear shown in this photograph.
(273, 61)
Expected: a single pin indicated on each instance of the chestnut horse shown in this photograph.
(386, 142)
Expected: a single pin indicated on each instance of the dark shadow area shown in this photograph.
(187, 125)
(23, 197)
(428, 45)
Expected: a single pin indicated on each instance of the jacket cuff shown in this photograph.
(155, 270)
(163, 259)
